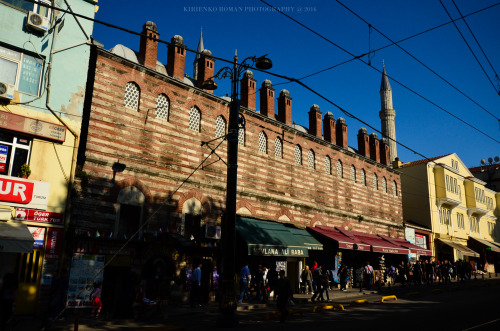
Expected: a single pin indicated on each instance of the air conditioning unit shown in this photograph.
(37, 22)
(6, 91)
(212, 231)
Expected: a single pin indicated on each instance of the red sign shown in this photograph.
(53, 245)
(16, 191)
(38, 216)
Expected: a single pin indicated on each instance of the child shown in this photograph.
(95, 296)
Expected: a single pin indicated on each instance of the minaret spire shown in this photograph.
(387, 114)
(199, 50)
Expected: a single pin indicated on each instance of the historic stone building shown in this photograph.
(152, 160)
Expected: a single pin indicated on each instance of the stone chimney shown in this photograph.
(248, 91)
(285, 107)
(374, 148)
(396, 164)
(176, 57)
(315, 121)
(385, 152)
(148, 51)
(267, 99)
(329, 128)
(205, 68)
(363, 143)
(341, 132)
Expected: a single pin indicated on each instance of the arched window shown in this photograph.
(162, 107)
(375, 182)
(328, 165)
(298, 155)
(340, 169)
(384, 184)
(220, 126)
(353, 173)
(132, 94)
(194, 119)
(241, 136)
(395, 188)
(278, 148)
(310, 159)
(363, 177)
(262, 142)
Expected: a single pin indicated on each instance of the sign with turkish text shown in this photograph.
(38, 216)
(38, 235)
(32, 126)
(278, 251)
(53, 246)
(24, 192)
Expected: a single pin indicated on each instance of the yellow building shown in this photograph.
(443, 195)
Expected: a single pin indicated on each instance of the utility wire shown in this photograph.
(470, 49)
(395, 80)
(416, 59)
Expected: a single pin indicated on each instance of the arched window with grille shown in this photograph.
(375, 182)
(298, 154)
(162, 107)
(353, 174)
(363, 177)
(262, 142)
(395, 189)
(194, 119)
(340, 169)
(278, 148)
(384, 184)
(132, 95)
(311, 162)
(328, 165)
(220, 126)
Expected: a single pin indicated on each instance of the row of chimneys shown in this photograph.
(334, 132)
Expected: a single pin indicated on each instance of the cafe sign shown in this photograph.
(278, 251)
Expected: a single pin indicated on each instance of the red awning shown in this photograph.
(344, 241)
(406, 244)
(380, 245)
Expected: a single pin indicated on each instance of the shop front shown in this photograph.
(275, 246)
(452, 250)
(489, 251)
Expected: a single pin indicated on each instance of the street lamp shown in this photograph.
(228, 300)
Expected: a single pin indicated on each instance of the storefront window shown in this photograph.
(14, 152)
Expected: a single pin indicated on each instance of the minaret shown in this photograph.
(387, 115)
(199, 50)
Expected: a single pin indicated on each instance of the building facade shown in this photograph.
(39, 133)
(460, 210)
(153, 154)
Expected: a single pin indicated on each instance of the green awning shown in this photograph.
(274, 239)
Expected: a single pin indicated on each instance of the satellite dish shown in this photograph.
(483, 161)
(497, 158)
(490, 160)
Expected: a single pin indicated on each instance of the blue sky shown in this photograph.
(253, 29)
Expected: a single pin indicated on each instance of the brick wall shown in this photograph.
(159, 155)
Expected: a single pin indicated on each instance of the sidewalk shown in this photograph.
(170, 314)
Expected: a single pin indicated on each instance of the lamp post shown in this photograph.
(228, 300)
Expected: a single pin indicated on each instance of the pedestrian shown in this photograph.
(263, 289)
(245, 278)
(429, 270)
(7, 297)
(306, 277)
(58, 294)
(318, 291)
(259, 282)
(95, 297)
(343, 274)
(195, 295)
(325, 284)
(284, 295)
(368, 273)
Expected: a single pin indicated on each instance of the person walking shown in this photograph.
(343, 274)
(245, 278)
(306, 277)
(368, 272)
(318, 291)
(95, 296)
(284, 295)
(325, 285)
(195, 295)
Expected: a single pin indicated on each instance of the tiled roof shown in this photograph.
(409, 164)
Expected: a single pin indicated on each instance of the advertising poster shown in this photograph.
(38, 236)
(86, 270)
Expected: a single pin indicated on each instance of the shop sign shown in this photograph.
(410, 235)
(278, 251)
(53, 246)
(31, 126)
(4, 151)
(38, 235)
(38, 216)
(24, 192)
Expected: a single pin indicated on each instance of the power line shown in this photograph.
(470, 49)
(416, 59)
(398, 82)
